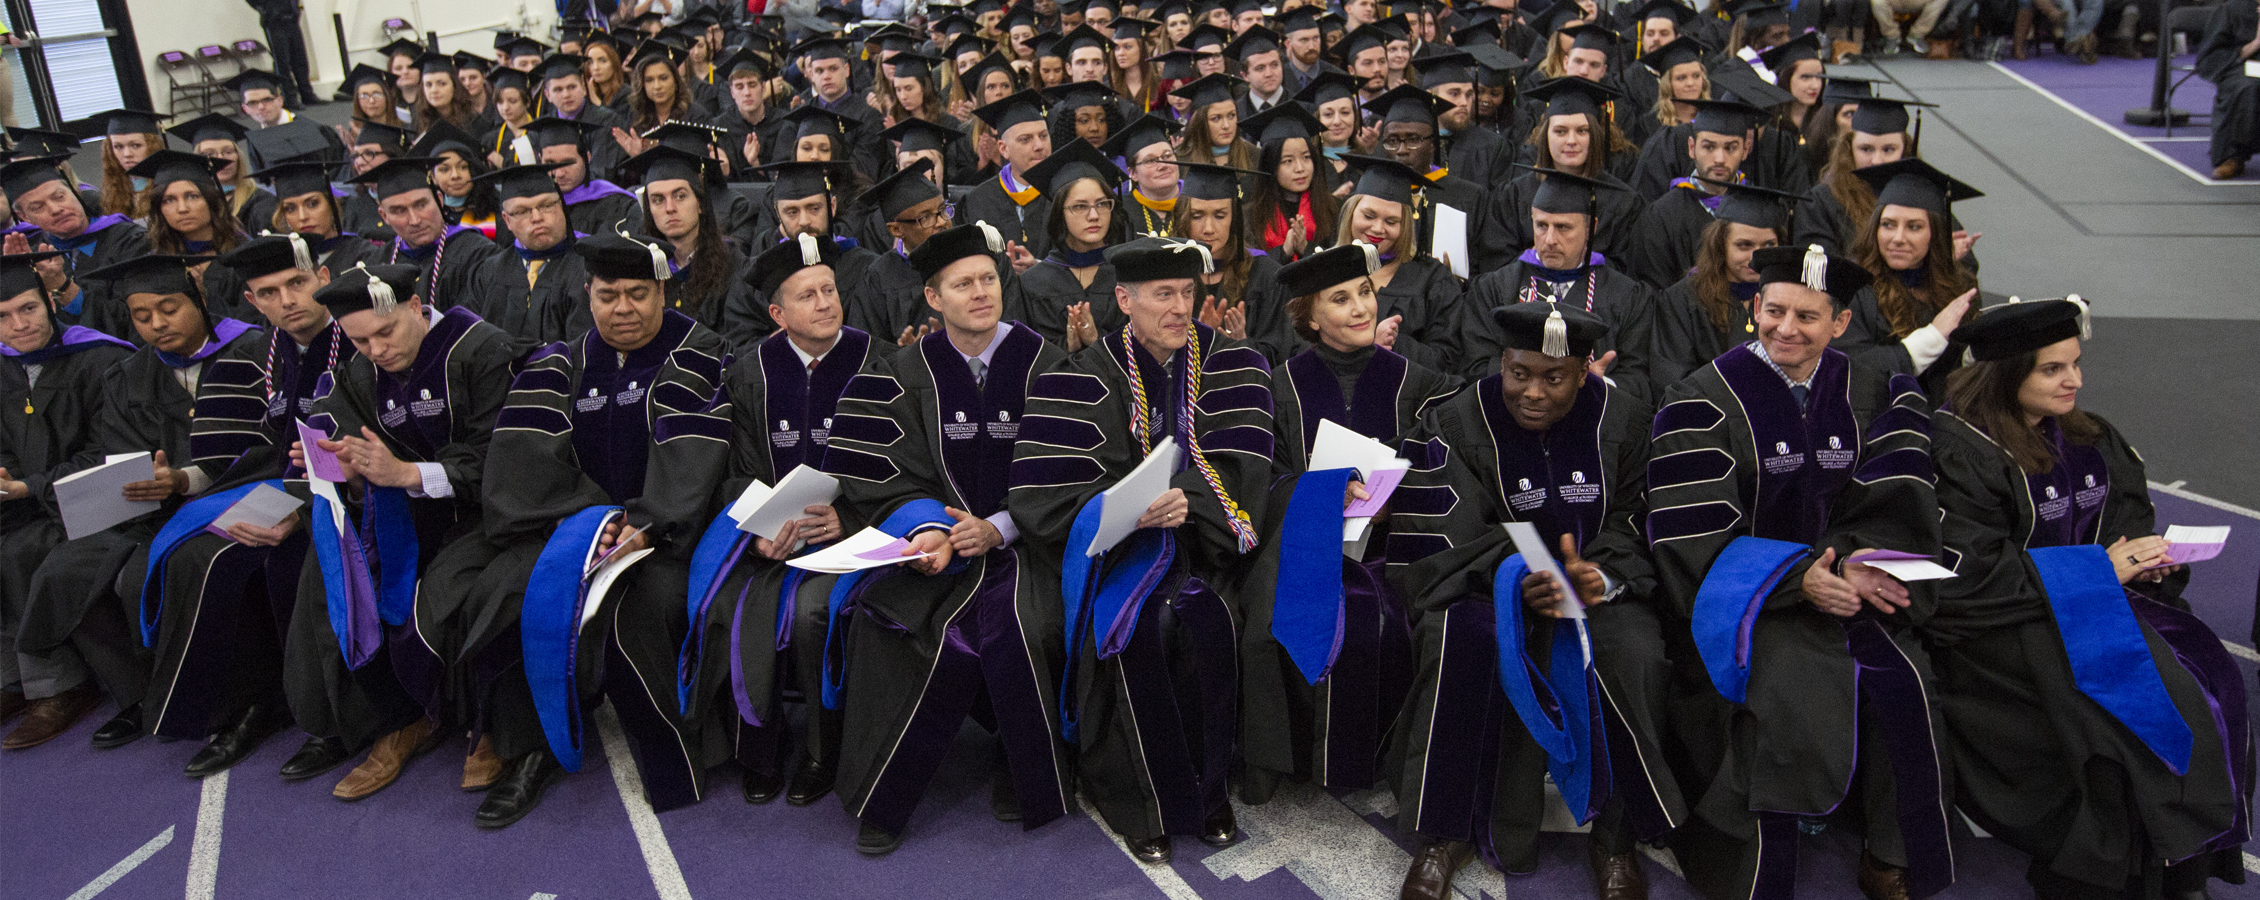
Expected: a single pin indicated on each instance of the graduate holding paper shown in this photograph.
(1150, 623)
(1543, 442)
(76, 642)
(757, 625)
(1310, 711)
(2093, 721)
(1773, 466)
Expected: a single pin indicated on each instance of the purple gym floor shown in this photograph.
(81, 823)
(2114, 85)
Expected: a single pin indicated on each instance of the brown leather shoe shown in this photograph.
(2231, 169)
(482, 768)
(1881, 882)
(1430, 877)
(48, 717)
(1616, 877)
(386, 760)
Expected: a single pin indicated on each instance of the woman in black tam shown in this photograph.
(1243, 298)
(1068, 297)
(188, 216)
(1292, 212)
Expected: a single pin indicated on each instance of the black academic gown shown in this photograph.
(554, 306)
(1447, 188)
(2236, 95)
(1020, 223)
(448, 268)
(1736, 456)
(1330, 731)
(1475, 468)
(1267, 330)
(915, 650)
(1628, 307)
(888, 298)
(1871, 341)
(746, 648)
(1428, 296)
(1480, 155)
(1685, 337)
(106, 241)
(1506, 231)
(772, 128)
(2038, 763)
(1662, 250)
(1821, 219)
(1162, 774)
(1040, 298)
(601, 207)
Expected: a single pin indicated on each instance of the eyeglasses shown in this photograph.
(367, 154)
(1091, 210)
(1404, 143)
(936, 218)
(1162, 160)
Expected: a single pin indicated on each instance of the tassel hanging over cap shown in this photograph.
(1372, 256)
(1556, 340)
(2087, 325)
(381, 299)
(301, 255)
(1816, 268)
(809, 254)
(995, 237)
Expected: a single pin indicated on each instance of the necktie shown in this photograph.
(980, 372)
(1800, 392)
(533, 271)
(813, 363)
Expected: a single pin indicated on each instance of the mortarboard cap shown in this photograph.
(1914, 183)
(398, 175)
(1780, 57)
(1757, 207)
(1147, 131)
(253, 79)
(1882, 115)
(1156, 258)
(1253, 41)
(167, 166)
(1074, 162)
(1210, 89)
(444, 136)
(208, 127)
(1566, 193)
(365, 288)
(907, 187)
(1570, 95)
(1384, 179)
(17, 277)
(551, 131)
(1018, 109)
(1727, 117)
(1669, 56)
(1202, 181)
(1405, 103)
(522, 181)
(939, 251)
(669, 163)
(915, 134)
(402, 47)
(123, 121)
(296, 179)
(797, 180)
(1328, 87)
(788, 258)
(1445, 67)
(1285, 121)
(270, 253)
(1590, 36)
(30, 142)
(154, 273)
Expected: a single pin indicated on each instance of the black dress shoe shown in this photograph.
(318, 755)
(1220, 829)
(762, 787)
(237, 741)
(1430, 877)
(872, 840)
(122, 729)
(523, 781)
(2196, 893)
(812, 779)
(1151, 851)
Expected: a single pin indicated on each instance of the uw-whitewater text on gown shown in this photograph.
(77, 621)
(587, 425)
(554, 307)
(2037, 763)
(107, 240)
(442, 410)
(1506, 232)
(1686, 338)
(448, 268)
(49, 428)
(1468, 769)
(1330, 732)
(914, 651)
(1627, 305)
(2236, 95)
(1151, 763)
(745, 650)
(1734, 455)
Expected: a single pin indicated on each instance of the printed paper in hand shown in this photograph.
(320, 463)
(95, 499)
(1123, 504)
(1337, 447)
(763, 510)
(2195, 544)
(2252, 68)
(858, 551)
(1539, 559)
(264, 507)
(1903, 566)
(600, 581)
(1450, 244)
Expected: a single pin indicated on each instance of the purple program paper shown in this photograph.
(320, 463)
(1378, 486)
(891, 552)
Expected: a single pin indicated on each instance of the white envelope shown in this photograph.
(94, 499)
(264, 507)
(1450, 240)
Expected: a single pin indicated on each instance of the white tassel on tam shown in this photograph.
(381, 299)
(1556, 342)
(301, 255)
(990, 232)
(659, 270)
(809, 251)
(1372, 257)
(2087, 325)
(1816, 268)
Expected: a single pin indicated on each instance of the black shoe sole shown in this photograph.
(116, 742)
(875, 849)
(290, 776)
(797, 798)
(531, 802)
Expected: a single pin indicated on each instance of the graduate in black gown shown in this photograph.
(305, 204)
(1244, 298)
(2230, 34)
(922, 445)
(447, 258)
(1149, 197)
(1708, 312)
(1067, 298)
(1010, 202)
(75, 642)
(1575, 139)
(1562, 267)
(1309, 711)
(1420, 293)
(889, 301)
(593, 204)
(53, 381)
(1663, 248)
(806, 198)
(61, 220)
(2093, 721)
(1835, 207)
(1774, 467)
(1407, 118)
(1153, 619)
(1905, 323)
(708, 284)
(537, 291)
(1477, 154)
(759, 626)
(1543, 442)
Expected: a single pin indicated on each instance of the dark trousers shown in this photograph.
(287, 45)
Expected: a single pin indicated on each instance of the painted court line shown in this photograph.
(1165, 878)
(658, 857)
(204, 852)
(2130, 140)
(2235, 649)
(133, 861)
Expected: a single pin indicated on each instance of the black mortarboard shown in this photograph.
(1083, 36)
(153, 273)
(1762, 15)
(1555, 18)
(668, 163)
(1127, 28)
(824, 47)
(1495, 65)
(894, 38)
(30, 142)
(1841, 279)
(939, 251)
(123, 121)
(1047, 46)
(465, 59)
(167, 166)
(787, 258)
(968, 44)
(918, 134)
(956, 25)
(1592, 36)
(1385, 179)
(1914, 183)
(1070, 7)
(799, 180)
(296, 179)
(1881, 115)
(1444, 67)
(1683, 50)
(979, 8)
(1547, 327)
(444, 136)
(1845, 88)
(1366, 37)
(253, 79)
(1018, 16)
(1328, 87)
(551, 131)
(616, 257)
(1018, 109)
(1781, 56)
(557, 65)
(208, 127)
(1202, 181)
(1315, 273)
(393, 138)
(1570, 95)
(402, 47)
(1678, 12)
(1210, 89)
(1147, 131)
(1566, 193)
(435, 64)
(1177, 65)
(398, 175)
(526, 46)
(270, 253)
(1282, 122)
(1156, 258)
(364, 74)
(1743, 84)
(1074, 162)
(915, 65)
(747, 61)
(2020, 327)
(694, 138)
(979, 72)
(1755, 206)
(379, 289)
(17, 277)
(522, 181)
(1405, 103)
(1253, 41)
(1726, 117)
(906, 188)
(1484, 32)
(1243, 7)
(645, 20)
(653, 51)
(811, 120)
(1206, 39)
(21, 176)
(1301, 18)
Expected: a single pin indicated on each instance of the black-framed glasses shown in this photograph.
(933, 219)
(1405, 143)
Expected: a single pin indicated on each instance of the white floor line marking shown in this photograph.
(133, 861)
(2175, 489)
(204, 851)
(2177, 484)
(2242, 652)
(543, 897)
(1165, 878)
(2251, 863)
(2128, 139)
(666, 874)
(2174, 140)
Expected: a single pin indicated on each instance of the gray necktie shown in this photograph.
(1800, 392)
(980, 372)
